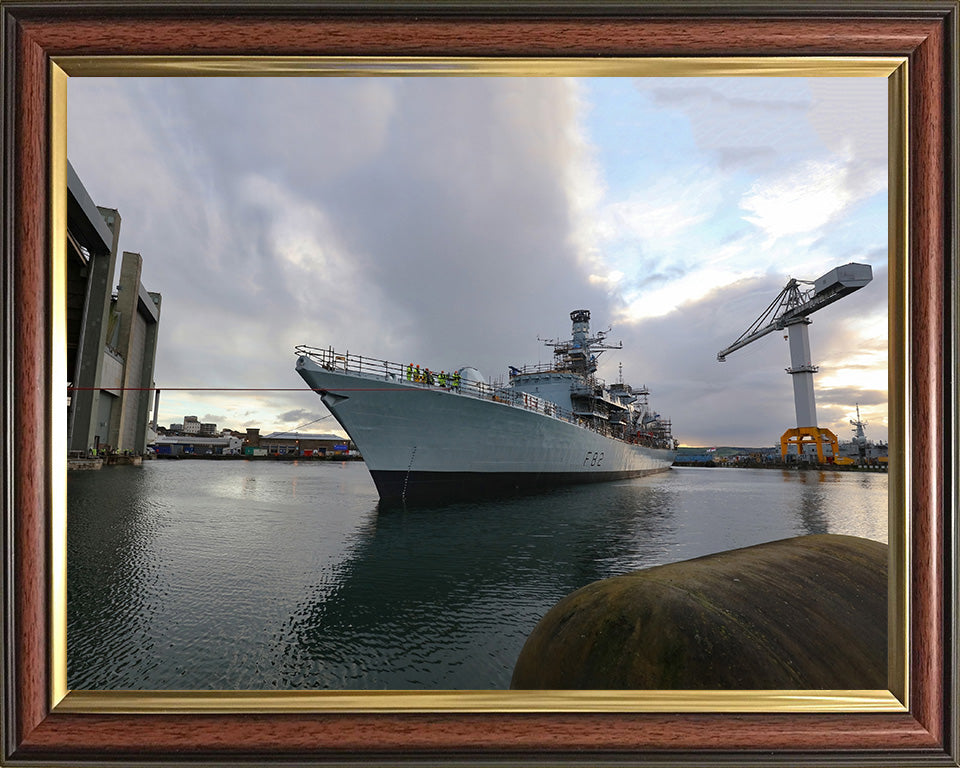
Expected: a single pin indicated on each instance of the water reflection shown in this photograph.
(425, 589)
(115, 576)
(854, 503)
(279, 575)
(812, 498)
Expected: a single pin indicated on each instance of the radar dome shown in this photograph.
(471, 374)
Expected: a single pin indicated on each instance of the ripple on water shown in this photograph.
(276, 575)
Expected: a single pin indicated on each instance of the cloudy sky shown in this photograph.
(454, 220)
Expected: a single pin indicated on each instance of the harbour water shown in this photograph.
(286, 575)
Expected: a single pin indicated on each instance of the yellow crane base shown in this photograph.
(803, 435)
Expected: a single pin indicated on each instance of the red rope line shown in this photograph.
(192, 389)
(246, 389)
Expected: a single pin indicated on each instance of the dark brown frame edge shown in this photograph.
(924, 31)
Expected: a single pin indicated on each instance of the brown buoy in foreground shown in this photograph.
(803, 613)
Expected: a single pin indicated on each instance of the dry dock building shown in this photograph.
(111, 336)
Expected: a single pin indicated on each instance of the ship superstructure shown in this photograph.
(860, 450)
(433, 435)
(617, 411)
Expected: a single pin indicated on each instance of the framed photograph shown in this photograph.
(47, 43)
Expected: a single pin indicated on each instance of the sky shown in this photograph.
(450, 221)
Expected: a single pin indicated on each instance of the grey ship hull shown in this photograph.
(425, 443)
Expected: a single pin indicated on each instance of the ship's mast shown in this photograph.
(579, 354)
(860, 437)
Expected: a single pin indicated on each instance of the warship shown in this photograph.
(429, 435)
(861, 451)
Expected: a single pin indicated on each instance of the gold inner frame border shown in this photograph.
(895, 699)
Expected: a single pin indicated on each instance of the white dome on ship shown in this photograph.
(469, 373)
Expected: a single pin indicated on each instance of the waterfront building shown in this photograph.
(297, 444)
(191, 425)
(111, 337)
(191, 445)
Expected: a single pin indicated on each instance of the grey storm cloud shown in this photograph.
(660, 274)
(696, 96)
(748, 399)
(298, 415)
(753, 158)
(406, 218)
(675, 357)
(741, 121)
(422, 220)
(746, 127)
(849, 397)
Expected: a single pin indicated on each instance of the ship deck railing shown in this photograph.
(593, 382)
(538, 368)
(416, 376)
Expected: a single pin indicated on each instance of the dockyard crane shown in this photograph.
(791, 310)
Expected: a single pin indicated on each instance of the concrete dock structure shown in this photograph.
(111, 337)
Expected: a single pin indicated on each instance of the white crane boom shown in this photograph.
(791, 310)
(793, 305)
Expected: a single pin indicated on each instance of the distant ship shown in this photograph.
(860, 450)
(436, 436)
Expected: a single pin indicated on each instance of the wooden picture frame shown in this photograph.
(37, 34)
